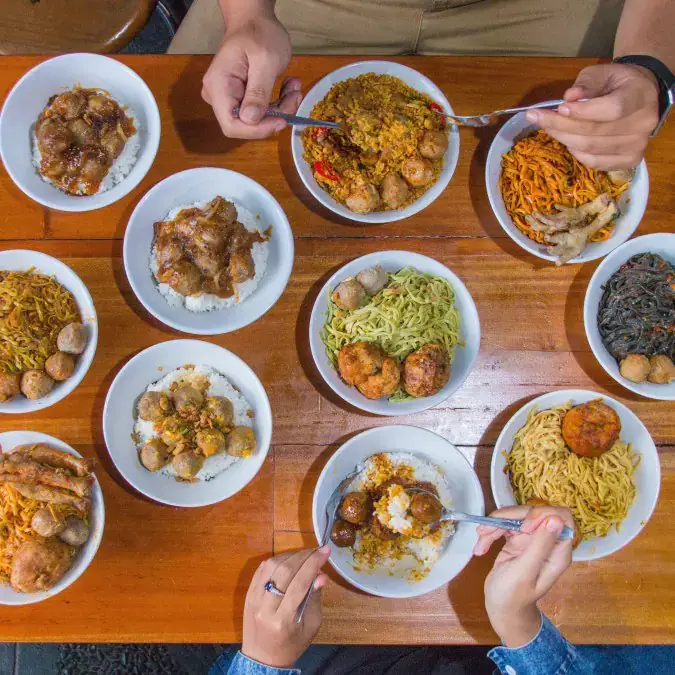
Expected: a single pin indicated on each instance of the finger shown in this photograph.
(264, 573)
(607, 162)
(276, 572)
(611, 107)
(551, 122)
(558, 560)
(602, 145)
(290, 102)
(261, 77)
(538, 514)
(290, 84)
(304, 579)
(321, 582)
(542, 542)
(485, 541)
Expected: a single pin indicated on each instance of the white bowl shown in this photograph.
(464, 359)
(29, 97)
(632, 204)
(8, 596)
(413, 79)
(21, 261)
(196, 185)
(119, 417)
(664, 245)
(647, 476)
(467, 496)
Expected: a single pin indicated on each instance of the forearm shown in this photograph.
(646, 27)
(241, 10)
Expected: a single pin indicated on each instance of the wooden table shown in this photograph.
(165, 574)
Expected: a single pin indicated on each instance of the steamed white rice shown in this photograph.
(120, 168)
(207, 301)
(219, 385)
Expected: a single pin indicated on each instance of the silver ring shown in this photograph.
(270, 587)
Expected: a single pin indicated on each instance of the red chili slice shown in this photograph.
(325, 170)
(434, 106)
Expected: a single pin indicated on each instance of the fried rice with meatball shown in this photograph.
(391, 151)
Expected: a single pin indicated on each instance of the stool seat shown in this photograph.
(54, 26)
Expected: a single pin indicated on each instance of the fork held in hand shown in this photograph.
(485, 119)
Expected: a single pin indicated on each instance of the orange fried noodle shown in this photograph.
(539, 172)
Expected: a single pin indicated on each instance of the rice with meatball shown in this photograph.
(217, 385)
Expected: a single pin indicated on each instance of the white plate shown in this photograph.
(632, 203)
(467, 496)
(8, 596)
(464, 359)
(21, 261)
(647, 476)
(29, 97)
(119, 417)
(413, 79)
(662, 244)
(196, 185)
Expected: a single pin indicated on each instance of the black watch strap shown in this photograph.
(664, 77)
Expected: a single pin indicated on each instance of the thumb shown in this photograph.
(259, 86)
(543, 541)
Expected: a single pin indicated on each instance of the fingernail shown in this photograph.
(278, 128)
(564, 110)
(251, 114)
(532, 116)
(554, 525)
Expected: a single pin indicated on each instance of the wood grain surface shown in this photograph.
(165, 574)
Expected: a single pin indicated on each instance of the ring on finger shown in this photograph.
(272, 588)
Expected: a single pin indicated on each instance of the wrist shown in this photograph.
(237, 13)
(517, 628)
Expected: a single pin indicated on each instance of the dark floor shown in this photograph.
(157, 33)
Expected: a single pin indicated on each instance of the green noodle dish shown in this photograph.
(393, 335)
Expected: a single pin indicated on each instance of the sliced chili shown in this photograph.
(434, 106)
(325, 170)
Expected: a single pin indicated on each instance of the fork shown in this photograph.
(485, 119)
(331, 511)
(295, 120)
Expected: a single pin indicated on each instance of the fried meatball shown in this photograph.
(343, 533)
(241, 266)
(153, 406)
(220, 410)
(36, 384)
(187, 465)
(39, 564)
(241, 442)
(363, 199)
(356, 507)
(382, 489)
(46, 524)
(373, 279)
(661, 369)
(382, 531)
(349, 294)
(72, 339)
(426, 371)
(591, 428)
(382, 384)
(75, 533)
(418, 172)
(60, 366)
(188, 400)
(426, 508)
(359, 361)
(210, 441)
(635, 367)
(154, 454)
(433, 144)
(10, 386)
(395, 190)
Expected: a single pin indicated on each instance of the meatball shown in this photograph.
(46, 524)
(82, 133)
(188, 400)
(356, 507)
(359, 361)
(60, 366)
(154, 454)
(184, 278)
(635, 367)
(75, 533)
(425, 485)
(373, 279)
(382, 531)
(207, 262)
(169, 251)
(384, 383)
(394, 190)
(210, 237)
(210, 441)
(224, 210)
(433, 144)
(39, 564)
(101, 105)
(418, 172)
(70, 105)
(426, 371)
(591, 428)
(241, 266)
(241, 442)
(187, 465)
(220, 410)
(426, 508)
(343, 533)
(349, 294)
(363, 199)
(153, 406)
(173, 431)
(661, 369)
(113, 144)
(10, 386)
(93, 165)
(36, 384)
(72, 339)
(369, 157)
(53, 137)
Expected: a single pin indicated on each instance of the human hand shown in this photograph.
(611, 130)
(528, 565)
(271, 635)
(254, 52)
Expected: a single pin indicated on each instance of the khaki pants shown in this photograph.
(526, 27)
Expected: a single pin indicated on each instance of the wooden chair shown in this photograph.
(53, 26)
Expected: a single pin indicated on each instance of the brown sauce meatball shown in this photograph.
(591, 428)
(184, 278)
(426, 371)
(381, 531)
(356, 507)
(241, 267)
(343, 533)
(425, 485)
(426, 508)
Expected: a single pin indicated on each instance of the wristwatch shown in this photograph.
(664, 77)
